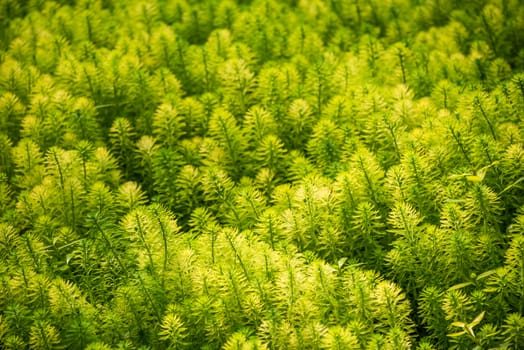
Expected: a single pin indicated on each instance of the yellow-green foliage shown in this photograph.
(261, 174)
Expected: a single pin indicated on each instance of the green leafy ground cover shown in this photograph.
(343, 174)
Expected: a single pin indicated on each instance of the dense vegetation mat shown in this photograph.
(266, 174)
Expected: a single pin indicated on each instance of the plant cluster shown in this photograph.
(261, 174)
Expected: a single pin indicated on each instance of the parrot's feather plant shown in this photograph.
(261, 174)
